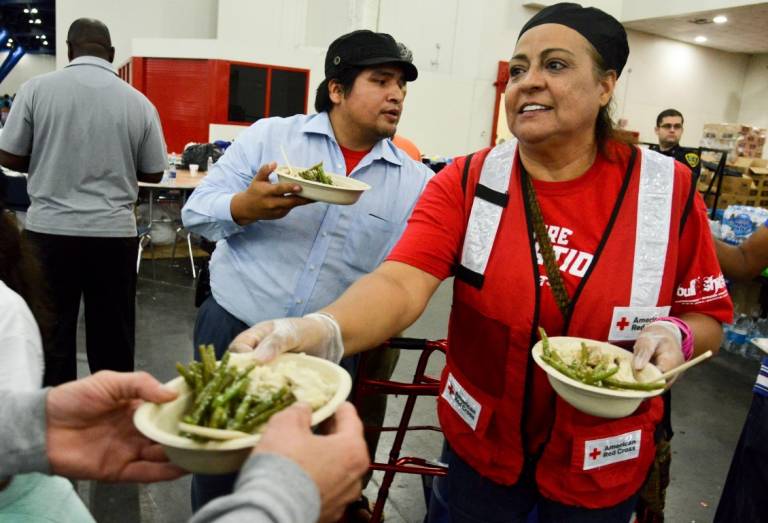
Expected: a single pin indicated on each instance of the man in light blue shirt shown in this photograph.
(278, 254)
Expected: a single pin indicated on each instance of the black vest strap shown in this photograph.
(489, 195)
(465, 174)
(470, 277)
(688, 203)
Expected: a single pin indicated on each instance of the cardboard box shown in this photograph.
(741, 164)
(741, 185)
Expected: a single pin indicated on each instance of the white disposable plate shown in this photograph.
(761, 343)
(597, 401)
(344, 191)
(160, 422)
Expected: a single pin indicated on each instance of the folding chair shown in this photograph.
(183, 232)
(145, 238)
(421, 385)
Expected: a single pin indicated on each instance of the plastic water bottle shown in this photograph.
(172, 168)
(756, 325)
(738, 334)
(726, 343)
(210, 163)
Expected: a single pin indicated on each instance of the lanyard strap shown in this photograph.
(545, 246)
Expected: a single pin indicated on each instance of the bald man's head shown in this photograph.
(89, 37)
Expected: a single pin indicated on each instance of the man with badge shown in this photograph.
(669, 130)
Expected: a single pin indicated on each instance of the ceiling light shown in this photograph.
(700, 39)
(720, 19)
(10, 40)
(8, 44)
(42, 36)
(26, 10)
(37, 37)
(33, 10)
(31, 21)
(38, 21)
(45, 42)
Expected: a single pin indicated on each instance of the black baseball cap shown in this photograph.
(366, 48)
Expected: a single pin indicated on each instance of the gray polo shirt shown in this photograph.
(87, 133)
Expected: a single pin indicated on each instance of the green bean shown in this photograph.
(544, 341)
(218, 418)
(584, 356)
(316, 173)
(209, 392)
(264, 416)
(651, 385)
(237, 421)
(197, 373)
(560, 367)
(601, 374)
(211, 361)
(225, 397)
(186, 374)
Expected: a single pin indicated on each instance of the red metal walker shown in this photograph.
(421, 385)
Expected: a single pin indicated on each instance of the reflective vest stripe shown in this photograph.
(485, 216)
(654, 213)
(654, 208)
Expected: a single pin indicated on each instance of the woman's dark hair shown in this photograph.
(604, 130)
(346, 79)
(19, 268)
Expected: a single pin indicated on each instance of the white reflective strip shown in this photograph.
(654, 210)
(485, 217)
(762, 381)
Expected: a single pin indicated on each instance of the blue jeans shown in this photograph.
(744, 494)
(473, 498)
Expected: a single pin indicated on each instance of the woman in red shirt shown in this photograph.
(563, 228)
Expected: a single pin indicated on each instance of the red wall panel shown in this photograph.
(179, 88)
(189, 94)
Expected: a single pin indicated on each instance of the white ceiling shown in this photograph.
(746, 30)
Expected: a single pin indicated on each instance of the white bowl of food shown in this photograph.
(760, 343)
(341, 190)
(319, 382)
(605, 398)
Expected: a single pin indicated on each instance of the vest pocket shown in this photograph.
(593, 462)
(479, 347)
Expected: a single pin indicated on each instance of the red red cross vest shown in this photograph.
(586, 461)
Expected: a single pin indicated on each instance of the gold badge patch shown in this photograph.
(692, 159)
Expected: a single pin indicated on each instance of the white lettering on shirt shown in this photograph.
(571, 261)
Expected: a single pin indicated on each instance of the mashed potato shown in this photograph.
(306, 384)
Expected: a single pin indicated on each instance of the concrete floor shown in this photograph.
(710, 404)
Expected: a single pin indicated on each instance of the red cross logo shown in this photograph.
(622, 323)
(595, 453)
(450, 389)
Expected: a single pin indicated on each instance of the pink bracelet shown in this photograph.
(685, 330)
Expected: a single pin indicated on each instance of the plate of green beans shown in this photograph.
(594, 376)
(223, 406)
(323, 186)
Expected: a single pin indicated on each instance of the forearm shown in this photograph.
(733, 261)
(381, 304)
(22, 432)
(270, 488)
(707, 332)
(14, 162)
